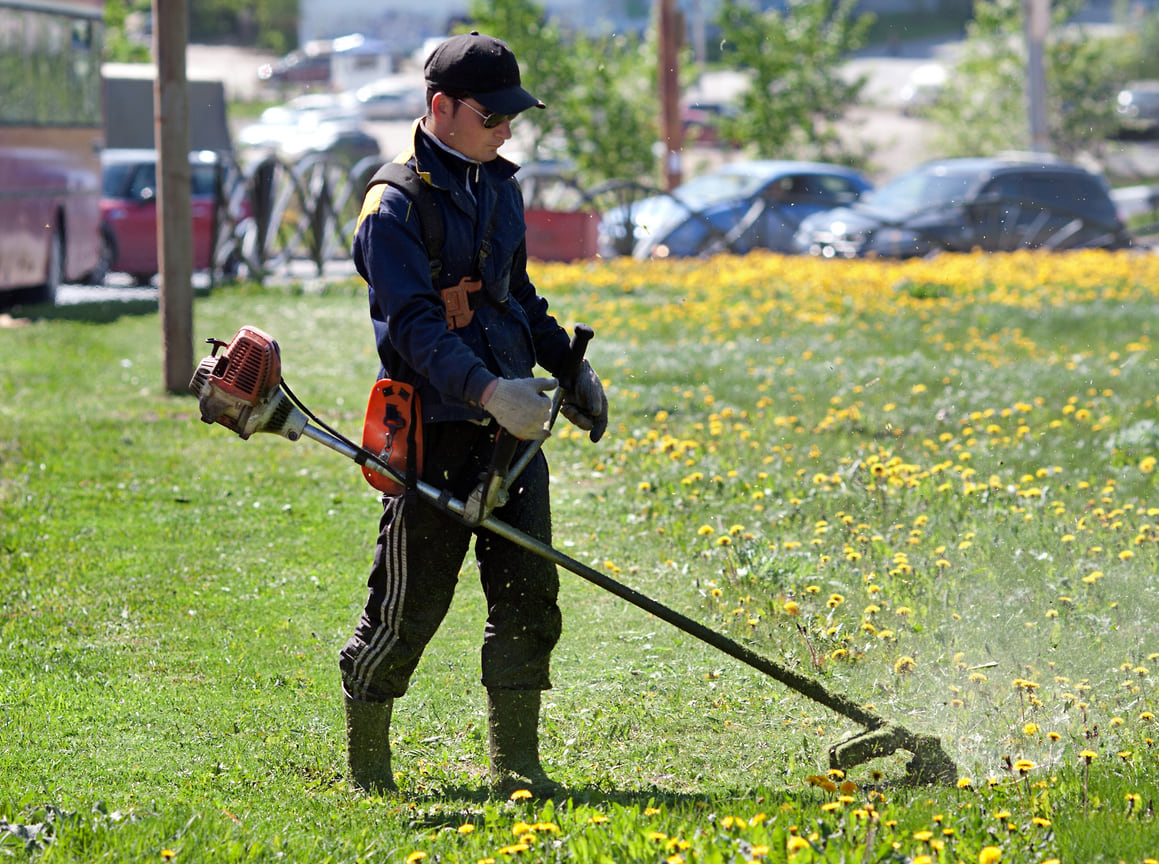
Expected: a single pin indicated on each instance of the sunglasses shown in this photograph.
(490, 121)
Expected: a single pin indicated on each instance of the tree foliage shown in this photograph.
(798, 94)
(983, 109)
(599, 92)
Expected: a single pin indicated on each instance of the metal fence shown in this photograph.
(276, 212)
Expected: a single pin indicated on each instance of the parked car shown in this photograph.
(922, 89)
(310, 124)
(740, 207)
(394, 98)
(956, 205)
(298, 67)
(1137, 108)
(129, 209)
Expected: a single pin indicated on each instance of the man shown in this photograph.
(467, 334)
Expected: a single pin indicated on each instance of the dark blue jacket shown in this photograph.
(508, 335)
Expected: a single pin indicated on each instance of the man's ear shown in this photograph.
(442, 105)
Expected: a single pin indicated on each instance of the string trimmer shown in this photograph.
(242, 389)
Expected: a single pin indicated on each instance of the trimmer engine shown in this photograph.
(241, 388)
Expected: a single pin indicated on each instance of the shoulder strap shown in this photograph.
(430, 219)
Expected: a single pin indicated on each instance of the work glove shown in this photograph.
(519, 406)
(585, 404)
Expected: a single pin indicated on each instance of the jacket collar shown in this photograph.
(448, 169)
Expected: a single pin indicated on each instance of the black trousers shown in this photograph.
(417, 559)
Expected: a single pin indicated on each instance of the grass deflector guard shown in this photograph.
(242, 389)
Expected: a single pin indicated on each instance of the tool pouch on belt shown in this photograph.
(393, 432)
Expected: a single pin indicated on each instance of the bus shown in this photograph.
(51, 136)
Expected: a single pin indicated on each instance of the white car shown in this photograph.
(395, 98)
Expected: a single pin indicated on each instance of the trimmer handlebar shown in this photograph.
(492, 489)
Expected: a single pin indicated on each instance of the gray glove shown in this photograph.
(520, 406)
(586, 405)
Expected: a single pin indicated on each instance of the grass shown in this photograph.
(929, 485)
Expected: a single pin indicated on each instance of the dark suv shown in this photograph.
(956, 205)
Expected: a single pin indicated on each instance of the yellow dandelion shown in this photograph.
(466, 828)
(521, 795)
(791, 608)
(414, 857)
(1088, 755)
(705, 530)
(989, 855)
(1030, 729)
(904, 665)
(796, 844)
(965, 783)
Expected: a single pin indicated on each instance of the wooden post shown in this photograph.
(671, 130)
(1036, 27)
(174, 215)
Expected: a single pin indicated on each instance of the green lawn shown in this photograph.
(928, 486)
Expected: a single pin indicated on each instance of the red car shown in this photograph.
(129, 210)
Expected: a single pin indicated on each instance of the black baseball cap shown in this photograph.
(484, 68)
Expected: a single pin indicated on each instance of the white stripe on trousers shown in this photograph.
(394, 598)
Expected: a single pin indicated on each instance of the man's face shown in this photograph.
(465, 132)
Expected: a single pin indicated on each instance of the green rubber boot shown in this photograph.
(513, 727)
(368, 745)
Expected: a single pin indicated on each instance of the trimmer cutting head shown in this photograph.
(930, 763)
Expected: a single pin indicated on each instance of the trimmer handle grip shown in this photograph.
(575, 355)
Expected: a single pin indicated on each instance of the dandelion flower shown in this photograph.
(1088, 755)
(521, 795)
(466, 828)
(903, 665)
(414, 857)
(796, 844)
(989, 855)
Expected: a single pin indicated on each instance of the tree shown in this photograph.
(798, 94)
(983, 108)
(600, 92)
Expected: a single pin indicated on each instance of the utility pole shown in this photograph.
(1036, 26)
(174, 216)
(671, 130)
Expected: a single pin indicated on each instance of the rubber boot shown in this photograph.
(368, 744)
(513, 727)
